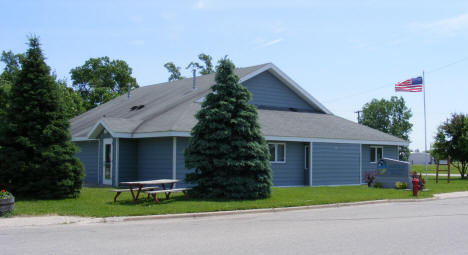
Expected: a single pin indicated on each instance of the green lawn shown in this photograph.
(432, 169)
(97, 202)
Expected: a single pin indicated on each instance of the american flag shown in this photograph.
(410, 85)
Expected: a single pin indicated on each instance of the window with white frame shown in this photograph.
(376, 153)
(277, 152)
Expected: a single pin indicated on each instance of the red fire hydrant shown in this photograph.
(415, 186)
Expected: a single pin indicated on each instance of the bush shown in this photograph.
(378, 185)
(400, 185)
(369, 177)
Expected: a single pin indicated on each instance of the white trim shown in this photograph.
(97, 129)
(106, 141)
(311, 148)
(82, 139)
(331, 140)
(360, 162)
(276, 153)
(269, 138)
(288, 82)
(174, 157)
(161, 134)
(98, 160)
(375, 147)
(117, 145)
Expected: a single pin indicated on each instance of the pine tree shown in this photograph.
(37, 155)
(227, 151)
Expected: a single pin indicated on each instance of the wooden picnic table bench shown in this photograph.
(168, 192)
(119, 191)
(139, 185)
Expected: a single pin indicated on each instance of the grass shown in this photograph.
(97, 202)
(432, 169)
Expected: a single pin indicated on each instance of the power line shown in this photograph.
(388, 85)
(447, 65)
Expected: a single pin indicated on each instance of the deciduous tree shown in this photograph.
(99, 80)
(389, 116)
(174, 71)
(452, 140)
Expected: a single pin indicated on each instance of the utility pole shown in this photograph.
(358, 115)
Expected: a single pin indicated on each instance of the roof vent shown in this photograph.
(136, 107)
(194, 86)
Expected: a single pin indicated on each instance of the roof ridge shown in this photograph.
(204, 75)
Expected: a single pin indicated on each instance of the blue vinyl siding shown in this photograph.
(128, 160)
(389, 151)
(267, 90)
(88, 155)
(181, 171)
(154, 158)
(335, 164)
(292, 172)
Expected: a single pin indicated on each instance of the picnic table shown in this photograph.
(139, 185)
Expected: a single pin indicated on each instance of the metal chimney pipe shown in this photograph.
(128, 92)
(194, 78)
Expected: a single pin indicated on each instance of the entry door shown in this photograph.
(107, 162)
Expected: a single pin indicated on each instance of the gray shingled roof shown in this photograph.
(171, 106)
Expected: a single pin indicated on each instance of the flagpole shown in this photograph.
(425, 128)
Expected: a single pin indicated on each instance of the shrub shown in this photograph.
(369, 177)
(378, 185)
(400, 185)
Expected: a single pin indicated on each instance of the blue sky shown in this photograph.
(345, 53)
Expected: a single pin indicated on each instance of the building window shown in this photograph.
(277, 152)
(376, 154)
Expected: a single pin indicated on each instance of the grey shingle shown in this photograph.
(171, 106)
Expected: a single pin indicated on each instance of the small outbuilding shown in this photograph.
(420, 158)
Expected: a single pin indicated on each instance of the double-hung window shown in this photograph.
(277, 152)
(376, 153)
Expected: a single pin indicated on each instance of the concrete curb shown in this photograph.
(263, 210)
(56, 220)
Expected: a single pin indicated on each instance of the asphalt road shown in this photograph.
(429, 227)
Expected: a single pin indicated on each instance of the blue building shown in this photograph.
(143, 136)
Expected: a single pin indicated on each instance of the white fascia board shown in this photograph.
(81, 139)
(97, 129)
(162, 134)
(150, 134)
(289, 82)
(327, 140)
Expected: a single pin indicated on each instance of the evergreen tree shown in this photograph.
(36, 154)
(227, 151)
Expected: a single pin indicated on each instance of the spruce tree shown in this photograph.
(227, 151)
(36, 154)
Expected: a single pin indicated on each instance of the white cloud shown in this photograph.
(200, 4)
(449, 26)
(262, 43)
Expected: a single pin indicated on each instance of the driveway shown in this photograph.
(427, 227)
